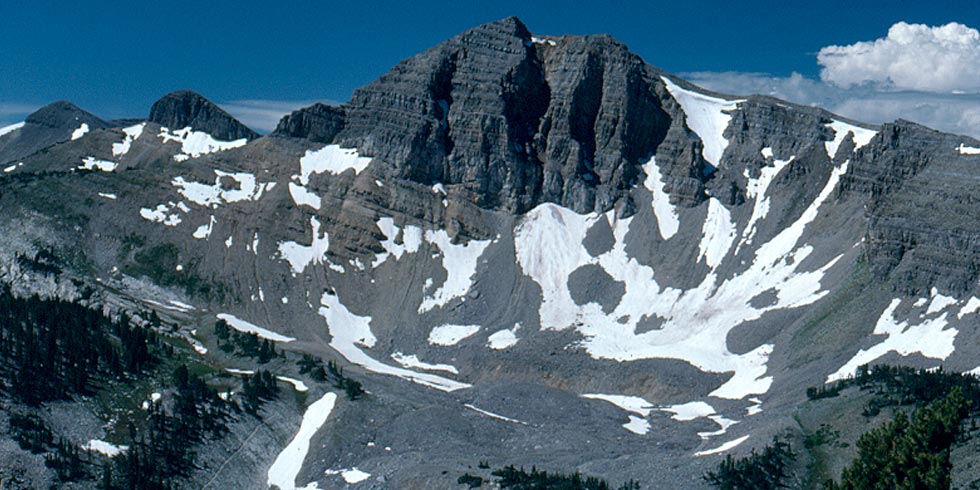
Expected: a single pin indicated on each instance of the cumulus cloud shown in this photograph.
(955, 113)
(911, 57)
(263, 115)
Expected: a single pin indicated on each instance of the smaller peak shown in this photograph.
(319, 123)
(63, 114)
(511, 26)
(185, 107)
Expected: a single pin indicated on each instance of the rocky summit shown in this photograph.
(510, 250)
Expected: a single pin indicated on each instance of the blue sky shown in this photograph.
(259, 59)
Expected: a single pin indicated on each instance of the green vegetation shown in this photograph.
(244, 344)
(31, 433)
(159, 263)
(470, 480)
(57, 350)
(352, 388)
(899, 385)
(257, 388)
(510, 477)
(908, 452)
(314, 368)
(757, 471)
(52, 349)
(162, 451)
(825, 435)
(43, 262)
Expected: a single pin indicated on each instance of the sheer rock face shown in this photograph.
(318, 123)
(188, 108)
(517, 121)
(923, 213)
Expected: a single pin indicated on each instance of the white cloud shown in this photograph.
(955, 113)
(263, 115)
(912, 57)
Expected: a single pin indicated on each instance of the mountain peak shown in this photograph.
(185, 107)
(509, 25)
(63, 114)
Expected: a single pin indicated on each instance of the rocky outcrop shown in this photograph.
(188, 108)
(515, 120)
(319, 123)
(923, 213)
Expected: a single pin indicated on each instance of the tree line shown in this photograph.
(52, 349)
(511, 477)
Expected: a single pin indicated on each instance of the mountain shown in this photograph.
(185, 108)
(528, 249)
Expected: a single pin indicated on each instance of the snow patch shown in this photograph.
(667, 219)
(451, 334)
(841, 129)
(204, 231)
(930, 338)
(971, 306)
(303, 197)
(493, 415)
(460, 262)
(246, 327)
(196, 143)
(297, 384)
(412, 361)
(724, 447)
(689, 411)
(161, 214)
(503, 339)
(637, 425)
(331, 159)
(632, 404)
(939, 302)
(289, 462)
(756, 189)
(105, 448)
(301, 256)
(411, 240)
(91, 163)
(349, 330)
(213, 195)
(13, 127)
(717, 234)
(707, 117)
(964, 150)
(351, 476)
(696, 322)
(78, 133)
(132, 134)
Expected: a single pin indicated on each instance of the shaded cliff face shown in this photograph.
(184, 108)
(517, 120)
(522, 244)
